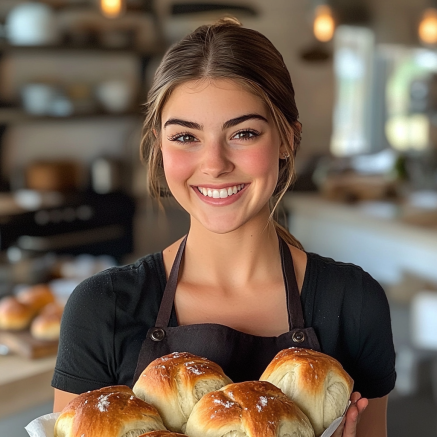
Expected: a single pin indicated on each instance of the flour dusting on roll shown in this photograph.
(248, 409)
(174, 383)
(315, 381)
(110, 412)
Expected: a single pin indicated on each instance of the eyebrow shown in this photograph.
(226, 125)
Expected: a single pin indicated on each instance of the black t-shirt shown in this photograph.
(108, 315)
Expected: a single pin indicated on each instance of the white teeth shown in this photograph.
(222, 193)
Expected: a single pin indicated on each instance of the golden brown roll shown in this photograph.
(162, 434)
(37, 296)
(47, 324)
(249, 409)
(174, 384)
(110, 412)
(316, 382)
(15, 315)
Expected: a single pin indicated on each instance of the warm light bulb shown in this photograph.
(111, 8)
(324, 24)
(428, 27)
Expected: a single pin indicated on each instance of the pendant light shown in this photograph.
(112, 8)
(324, 24)
(428, 26)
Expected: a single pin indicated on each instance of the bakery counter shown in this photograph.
(24, 383)
(373, 235)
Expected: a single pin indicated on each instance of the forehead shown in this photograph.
(206, 97)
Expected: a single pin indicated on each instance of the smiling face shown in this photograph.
(220, 151)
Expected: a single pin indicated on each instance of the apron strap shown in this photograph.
(168, 296)
(294, 306)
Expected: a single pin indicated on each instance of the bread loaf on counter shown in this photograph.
(110, 412)
(249, 409)
(47, 324)
(315, 381)
(15, 315)
(174, 384)
(36, 296)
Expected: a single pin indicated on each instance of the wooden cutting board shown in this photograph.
(23, 344)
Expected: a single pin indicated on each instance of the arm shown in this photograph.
(62, 398)
(373, 420)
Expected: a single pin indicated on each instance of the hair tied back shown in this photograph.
(228, 21)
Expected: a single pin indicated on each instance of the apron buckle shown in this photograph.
(157, 334)
(298, 337)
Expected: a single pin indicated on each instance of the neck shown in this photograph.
(235, 259)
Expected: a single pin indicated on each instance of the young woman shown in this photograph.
(220, 134)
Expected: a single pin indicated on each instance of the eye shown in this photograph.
(246, 134)
(183, 138)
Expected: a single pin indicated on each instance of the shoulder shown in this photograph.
(349, 310)
(340, 276)
(344, 289)
(121, 283)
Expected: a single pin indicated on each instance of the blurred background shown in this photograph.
(73, 199)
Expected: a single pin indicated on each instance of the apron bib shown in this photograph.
(243, 357)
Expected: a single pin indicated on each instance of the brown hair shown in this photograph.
(225, 50)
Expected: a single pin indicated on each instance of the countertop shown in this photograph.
(382, 216)
(24, 383)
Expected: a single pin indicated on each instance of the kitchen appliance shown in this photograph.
(80, 222)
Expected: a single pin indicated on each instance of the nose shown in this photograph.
(216, 161)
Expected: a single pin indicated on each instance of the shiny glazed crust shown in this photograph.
(315, 381)
(47, 324)
(14, 315)
(37, 296)
(174, 384)
(248, 409)
(110, 412)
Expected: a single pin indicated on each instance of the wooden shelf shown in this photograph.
(137, 51)
(18, 115)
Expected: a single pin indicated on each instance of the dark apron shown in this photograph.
(243, 357)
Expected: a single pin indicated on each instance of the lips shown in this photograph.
(220, 193)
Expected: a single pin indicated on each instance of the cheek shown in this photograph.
(177, 165)
(261, 163)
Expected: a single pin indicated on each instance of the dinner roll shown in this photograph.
(47, 324)
(316, 382)
(14, 315)
(110, 412)
(248, 409)
(163, 434)
(37, 296)
(174, 384)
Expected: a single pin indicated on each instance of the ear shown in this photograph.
(155, 133)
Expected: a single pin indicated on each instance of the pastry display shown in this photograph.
(250, 409)
(315, 381)
(110, 412)
(37, 296)
(15, 315)
(175, 383)
(47, 324)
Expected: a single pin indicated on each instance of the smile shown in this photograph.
(222, 193)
